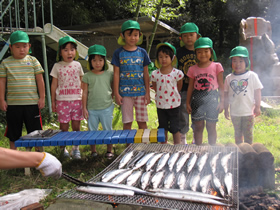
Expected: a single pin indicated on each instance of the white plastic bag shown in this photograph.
(23, 198)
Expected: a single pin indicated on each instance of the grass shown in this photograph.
(266, 131)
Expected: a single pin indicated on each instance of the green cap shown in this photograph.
(130, 24)
(189, 28)
(241, 51)
(174, 60)
(205, 42)
(97, 50)
(62, 41)
(19, 36)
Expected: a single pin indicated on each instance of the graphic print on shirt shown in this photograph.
(185, 63)
(239, 86)
(69, 78)
(204, 82)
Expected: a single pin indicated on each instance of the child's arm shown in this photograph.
(189, 95)
(154, 86)
(3, 103)
(118, 97)
(226, 105)
(147, 84)
(41, 90)
(84, 99)
(221, 91)
(179, 84)
(257, 95)
(53, 93)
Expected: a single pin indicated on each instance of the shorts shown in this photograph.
(168, 119)
(140, 109)
(204, 105)
(104, 116)
(17, 115)
(243, 127)
(69, 110)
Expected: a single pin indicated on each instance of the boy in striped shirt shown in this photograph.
(22, 80)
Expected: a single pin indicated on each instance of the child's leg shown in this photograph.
(76, 127)
(142, 125)
(12, 145)
(247, 128)
(166, 137)
(237, 124)
(177, 138)
(127, 126)
(106, 117)
(212, 133)
(198, 132)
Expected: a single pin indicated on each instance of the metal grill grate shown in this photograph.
(145, 200)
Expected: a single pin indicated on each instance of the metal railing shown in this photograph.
(24, 15)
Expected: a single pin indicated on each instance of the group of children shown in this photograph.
(196, 88)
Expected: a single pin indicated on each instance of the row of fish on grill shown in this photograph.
(183, 170)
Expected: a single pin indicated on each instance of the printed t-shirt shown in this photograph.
(68, 78)
(21, 79)
(131, 64)
(240, 88)
(99, 89)
(186, 59)
(167, 94)
(205, 78)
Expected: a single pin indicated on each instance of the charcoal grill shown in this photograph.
(149, 201)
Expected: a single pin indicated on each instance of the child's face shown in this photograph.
(131, 38)
(189, 39)
(20, 50)
(97, 63)
(68, 53)
(164, 59)
(203, 55)
(238, 65)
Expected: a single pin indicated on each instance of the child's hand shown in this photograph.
(53, 106)
(41, 103)
(3, 106)
(147, 98)
(226, 113)
(189, 109)
(85, 113)
(118, 99)
(220, 107)
(257, 111)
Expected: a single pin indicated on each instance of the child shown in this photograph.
(243, 94)
(202, 98)
(66, 89)
(97, 94)
(167, 82)
(21, 75)
(186, 58)
(131, 76)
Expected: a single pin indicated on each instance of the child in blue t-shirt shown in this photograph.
(131, 76)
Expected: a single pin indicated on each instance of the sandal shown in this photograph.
(109, 155)
(94, 154)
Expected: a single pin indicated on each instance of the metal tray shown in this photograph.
(40, 134)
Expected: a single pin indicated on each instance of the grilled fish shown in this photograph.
(157, 178)
(191, 162)
(204, 183)
(172, 160)
(181, 181)
(228, 182)
(126, 158)
(111, 174)
(224, 161)
(143, 160)
(213, 162)
(133, 178)
(137, 157)
(194, 182)
(122, 176)
(162, 161)
(151, 162)
(169, 180)
(145, 179)
(201, 161)
(182, 160)
(218, 186)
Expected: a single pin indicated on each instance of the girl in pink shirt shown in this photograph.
(205, 79)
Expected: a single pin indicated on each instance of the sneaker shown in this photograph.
(76, 154)
(94, 154)
(66, 154)
(109, 155)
